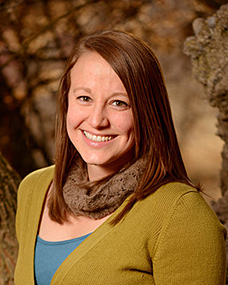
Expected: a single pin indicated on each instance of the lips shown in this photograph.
(98, 138)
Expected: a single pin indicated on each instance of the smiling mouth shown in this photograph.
(97, 138)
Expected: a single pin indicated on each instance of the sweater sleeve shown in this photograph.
(191, 246)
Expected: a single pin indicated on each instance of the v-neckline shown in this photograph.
(84, 247)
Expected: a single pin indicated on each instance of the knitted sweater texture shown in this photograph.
(171, 237)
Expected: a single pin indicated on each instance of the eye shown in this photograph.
(119, 103)
(84, 99)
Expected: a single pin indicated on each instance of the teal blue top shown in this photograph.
(49, 256)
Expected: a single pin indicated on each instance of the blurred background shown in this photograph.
(35, 41)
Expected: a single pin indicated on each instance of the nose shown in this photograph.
(98, 117)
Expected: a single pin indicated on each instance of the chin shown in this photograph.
(94, 161)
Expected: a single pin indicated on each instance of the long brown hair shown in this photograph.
(155, 137)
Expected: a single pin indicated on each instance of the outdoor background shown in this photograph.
(35, 40)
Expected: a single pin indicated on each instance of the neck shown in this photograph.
(97, 172)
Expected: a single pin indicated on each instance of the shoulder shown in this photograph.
(157, 208)
(183, 212)
(184, 199)
(30, 196)
(177, 205)
(40, 178)
(41, 175)
(169, 195)
(190, 236)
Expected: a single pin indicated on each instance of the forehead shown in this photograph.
(92, 69)
(89, 60)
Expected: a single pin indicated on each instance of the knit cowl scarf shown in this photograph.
(107, 197)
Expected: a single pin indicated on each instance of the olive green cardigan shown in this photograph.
(171, 237)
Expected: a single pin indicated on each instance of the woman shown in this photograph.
(119, 187)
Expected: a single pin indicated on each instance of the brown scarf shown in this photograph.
(107, 197)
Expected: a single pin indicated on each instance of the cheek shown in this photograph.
(126, 125)
(68, 126)
(69, 120)
(72, 117)
(71, 126)
(131, 131)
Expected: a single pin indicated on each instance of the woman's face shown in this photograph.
(99, 118)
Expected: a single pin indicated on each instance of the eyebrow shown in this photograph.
(88, 90)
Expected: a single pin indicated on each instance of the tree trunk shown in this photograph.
(9, 181)
(209, 54)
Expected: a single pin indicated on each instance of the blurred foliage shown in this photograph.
(35, 40)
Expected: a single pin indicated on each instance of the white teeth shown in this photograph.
(97, 138)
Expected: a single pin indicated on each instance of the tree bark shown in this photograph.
(9, 181)
(209, 55)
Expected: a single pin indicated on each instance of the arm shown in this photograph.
(191, 246)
